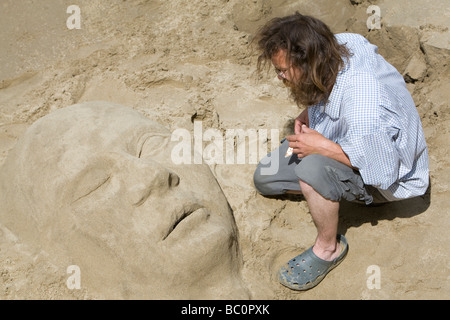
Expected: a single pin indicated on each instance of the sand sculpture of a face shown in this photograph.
(93, 185)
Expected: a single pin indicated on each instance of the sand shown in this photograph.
(178, 62)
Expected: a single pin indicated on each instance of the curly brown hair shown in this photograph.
(311, 47)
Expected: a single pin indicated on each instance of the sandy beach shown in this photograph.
(182, 63)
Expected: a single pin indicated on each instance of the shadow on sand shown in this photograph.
(353, 215)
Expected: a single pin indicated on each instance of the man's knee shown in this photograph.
(332, 179)
(311, 168)
(315, 172)
(264, 183)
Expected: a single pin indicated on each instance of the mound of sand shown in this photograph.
(178, 62)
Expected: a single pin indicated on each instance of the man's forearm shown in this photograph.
(334, 151)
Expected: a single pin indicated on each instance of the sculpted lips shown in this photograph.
(179, 216)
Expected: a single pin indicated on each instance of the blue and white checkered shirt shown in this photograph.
(372, 116)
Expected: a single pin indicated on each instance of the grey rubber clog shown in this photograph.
(306, 270)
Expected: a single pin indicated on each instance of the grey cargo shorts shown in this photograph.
(277, 174)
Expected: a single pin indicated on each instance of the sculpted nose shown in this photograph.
(147, 180)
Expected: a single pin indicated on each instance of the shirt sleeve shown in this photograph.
(371, 131)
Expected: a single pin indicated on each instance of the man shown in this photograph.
(360, 137)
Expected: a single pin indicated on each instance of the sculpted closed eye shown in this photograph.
(90, 182)
(152, 145)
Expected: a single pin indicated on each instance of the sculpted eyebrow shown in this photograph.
(145, 137)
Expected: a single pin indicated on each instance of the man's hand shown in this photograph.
(309, 142)
(301, 120)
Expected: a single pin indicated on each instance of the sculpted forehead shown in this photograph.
(93, 123)
(80, 130)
